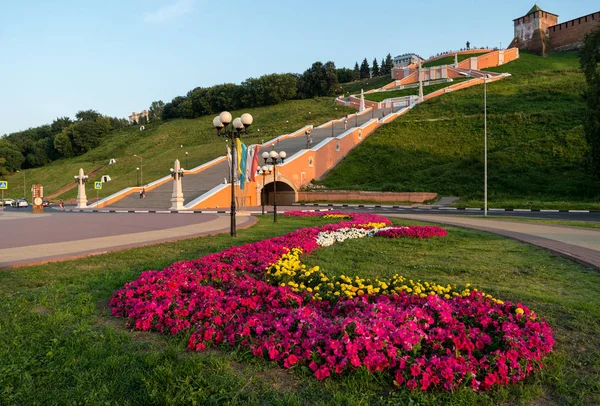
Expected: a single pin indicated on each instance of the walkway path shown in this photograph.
(196, 185)
(579, 244)
(30, 239)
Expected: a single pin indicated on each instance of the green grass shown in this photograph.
(60, 345)
(536, 143)
(569, 223)
(381, 96)
(449, 60)
(160, 144)
(365, 84)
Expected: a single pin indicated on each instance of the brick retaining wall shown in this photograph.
(359, 195)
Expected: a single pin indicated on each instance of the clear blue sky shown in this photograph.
(117, 56)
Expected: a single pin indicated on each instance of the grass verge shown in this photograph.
(59, 344)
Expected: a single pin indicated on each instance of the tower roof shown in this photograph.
(534, 9)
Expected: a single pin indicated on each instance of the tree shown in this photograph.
(87, 115)
(345, 75)
(156, 109)
(333, 85)
(365, 70)
(87, 135)
(356, 72)
(590, 64)
(375, 68)
(63, 143)
(60, 124)
(13, 158)
(389, 63)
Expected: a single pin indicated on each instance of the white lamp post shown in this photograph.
(485, 165)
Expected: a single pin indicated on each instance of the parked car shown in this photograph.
(20, 203)
(7, 202)
(46, 203)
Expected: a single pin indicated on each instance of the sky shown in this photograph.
(117, 56)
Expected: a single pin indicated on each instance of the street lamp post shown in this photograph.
(141, 169)
(272, 158)
(240, 124)
(264, 171)
(137, 176)
(24, 191)
(485, 163)
(186, 159)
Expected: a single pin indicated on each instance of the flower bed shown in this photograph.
(427, 337)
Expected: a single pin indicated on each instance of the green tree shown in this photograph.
(63, 143)
(590, 64)
(156, 109)
(356, 72)
(13, 158)
(365, 70)
(87, 115)
(375, 68)
(345, 75)
(87, 135)
(60, 124)
(389, 64)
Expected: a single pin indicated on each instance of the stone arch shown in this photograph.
(286, 192)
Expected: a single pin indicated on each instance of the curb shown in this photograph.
(176, 211)
(371, 206)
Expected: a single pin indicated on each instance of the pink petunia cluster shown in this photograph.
(422, 342)
(414, 232)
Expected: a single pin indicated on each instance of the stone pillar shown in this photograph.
(177, 196)
(420, 84)
(362, 101)
(456, 59)
(81, 197)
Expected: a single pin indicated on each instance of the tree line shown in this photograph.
(64, 137)
(321, 79)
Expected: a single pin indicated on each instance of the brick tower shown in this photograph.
(531, 30)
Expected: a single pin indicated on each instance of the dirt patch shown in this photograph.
(275, 377)
(41, 310)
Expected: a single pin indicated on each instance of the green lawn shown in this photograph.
(449, 60)
(60, 345)
(536, 144)
(365, 84)
(569, 223)
(381, 96)
(161, 144)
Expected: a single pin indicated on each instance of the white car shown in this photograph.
(7, 202)
(20, 203)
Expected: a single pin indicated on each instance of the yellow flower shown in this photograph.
(519, 311)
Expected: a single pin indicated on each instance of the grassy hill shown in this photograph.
(365, 84)
(381, 96)
(536, 144)
(160, 144)
(449, 60)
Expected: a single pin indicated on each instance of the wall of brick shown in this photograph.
(359, 195)
(573, 31)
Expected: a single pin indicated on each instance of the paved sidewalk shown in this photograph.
(579, 244)
(44, 247)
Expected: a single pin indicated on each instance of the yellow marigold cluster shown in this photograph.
(337, 216)
(290, 271)
(373, 225)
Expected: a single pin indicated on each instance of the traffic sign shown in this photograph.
(98, 185)
(3, 184)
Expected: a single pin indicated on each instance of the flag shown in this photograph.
(249, 158)
(239, 155)
(254, 166)
(242, 167)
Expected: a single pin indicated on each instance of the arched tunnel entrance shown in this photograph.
(286, 194)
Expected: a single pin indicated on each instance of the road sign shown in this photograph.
(98, 185)
(3, 184)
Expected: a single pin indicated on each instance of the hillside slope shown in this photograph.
(160, 144)
(536, 144)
